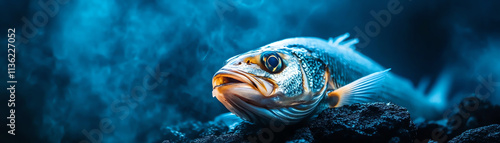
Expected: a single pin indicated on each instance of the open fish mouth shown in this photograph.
(244, 94)
(227, 77)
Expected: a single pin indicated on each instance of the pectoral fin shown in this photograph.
(361, 90)
(228, 119)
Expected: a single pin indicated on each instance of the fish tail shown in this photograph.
(437, 96)
(429, 105)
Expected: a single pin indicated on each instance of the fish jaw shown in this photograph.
(243, 94)
(232, 98)
(236, 78)
(235, 103)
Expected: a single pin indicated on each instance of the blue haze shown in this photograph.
(85, 63)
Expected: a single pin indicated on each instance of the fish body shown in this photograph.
(293, 79)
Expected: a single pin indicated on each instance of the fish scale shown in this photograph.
(315, 71)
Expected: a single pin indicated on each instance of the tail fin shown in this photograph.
(437, 96)
(429, 105)
(432, 105)
(423, 84)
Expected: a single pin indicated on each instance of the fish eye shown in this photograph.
(272, 62)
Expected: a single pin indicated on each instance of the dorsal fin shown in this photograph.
(339, 41)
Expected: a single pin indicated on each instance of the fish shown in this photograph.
(294, 79)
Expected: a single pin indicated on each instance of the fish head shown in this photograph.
(266, 85)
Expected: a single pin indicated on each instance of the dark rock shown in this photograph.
(222, 138)
(484, 134)
(369, 122)
(470, 113)
(187, 131)
(247, 132)
(432, 141)
(302, 135)
(431, 131)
